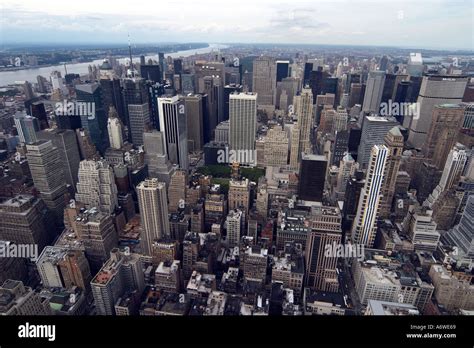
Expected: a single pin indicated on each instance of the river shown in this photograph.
(11, 77)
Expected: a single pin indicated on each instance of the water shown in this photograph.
(11, 77)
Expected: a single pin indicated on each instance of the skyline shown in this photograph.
(370, 23)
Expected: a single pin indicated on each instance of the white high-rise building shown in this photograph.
(243, 126)
(234, 226)
(114, 128)
(153, 204)
(373, 91)
(96, 186)
(453, 169)
(364, 227)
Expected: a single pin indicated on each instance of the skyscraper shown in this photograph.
(264, 81)
(96, 186)
(445, 124)
(234, 225)
(305, 120)
(48, 176)
(152, 201)
(364, 228)
(173, 124)
(312, 177)
(373, 91)
(26, 126)
(394, 144)
(374, 130)
(159, 166)
(282, 69)
(95, 124)
(177, 190)
(114, 127)
(243, 125)
(66, 143)
(137, 108)
(435, 90)
(325, 233)
(194, 122)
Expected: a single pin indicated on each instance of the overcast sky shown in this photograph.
(407, 23)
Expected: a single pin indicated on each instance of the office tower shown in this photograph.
(18, 299)
(96, 122)
(96, 186)
(96, 231)
(341, 146)
(177, 65)
(264, 81)
(415, 65)
(452, 172)
(188, 84)
(64, 267)
(228, 90)
(373, 91)
(357, 94)
(434, 90)
(162, 63)
(154, 90)
(243, 125)
(390, 83)
(374, 129)
(308, 67)
(24, 219)
(234, 223)
(153, 205)
(325, 234)
(364, 228)
(445, 124)
(151, 72)
(347, 167)
(215, 210)
(282, 69)
(316, 81)
(115, 129)
(137, 108)
(121, 274)
(221, 134)
(65, 141)
(211, 107)
(156, 158)
(327, 119)
(194, 122)
(294, 131)
(177, 191)
(239, 195)
(453, 289)
(197, 218)
(286, 90)
(37, 109)
(254, 263)
(312, 177)
(394, 143)
(87, 149)
(421, 228)
(276, 147)
(462, 235)
(42, 81)
(26, 126)
(111, 90)
(305, 120)
(48, 176)
(190, 253)
(173, 124)
(164, 250)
